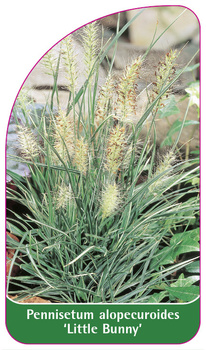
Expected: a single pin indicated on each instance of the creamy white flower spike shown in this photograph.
(28, 143)
(110, 200)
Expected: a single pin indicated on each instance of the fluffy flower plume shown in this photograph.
(64, 196)
(28, 143)
(81, 155)
(49, 62)
(110, 200)
(91, 45)
(115, 149)
(104, 102)
(70, 62)
(164, 75)
(64, 137)
(126, 100)
(164, 168)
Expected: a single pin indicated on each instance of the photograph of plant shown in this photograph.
(102, 202)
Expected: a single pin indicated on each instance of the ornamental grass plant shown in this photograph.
(108, 219)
